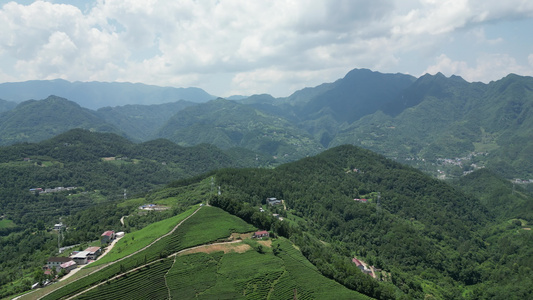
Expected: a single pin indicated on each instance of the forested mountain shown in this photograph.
(436, 241)
(504, 199)
(141, 122)
(33, 121)
(95, 95)
(442, 125)
(227, 124)
(438, 118)
(361, 92)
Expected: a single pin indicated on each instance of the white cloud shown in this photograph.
(188, 42)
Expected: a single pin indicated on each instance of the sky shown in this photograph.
(245, 47)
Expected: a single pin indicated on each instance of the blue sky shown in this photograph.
(230, 47)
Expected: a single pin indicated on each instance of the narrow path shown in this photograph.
(127, 256)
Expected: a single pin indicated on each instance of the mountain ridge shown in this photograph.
(96, 94)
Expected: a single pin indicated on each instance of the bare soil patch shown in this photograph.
(267, 243)
(233, 247)
(240, 236)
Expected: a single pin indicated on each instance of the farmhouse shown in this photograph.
(273, 201)
(260, 234)
(68, 266)
(58, 226)
(361, 200)
(94, 252)
(107, 236)
(361, 266)
(81, 258)
(55, 262)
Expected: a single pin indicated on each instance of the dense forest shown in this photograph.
(433, 239)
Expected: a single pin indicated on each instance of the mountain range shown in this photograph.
(443, 125)
(95, 94)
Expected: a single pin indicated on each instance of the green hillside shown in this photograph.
(435, 240)
(440, 118)
(503, 198)
(141, 122)
(228, 124)
(247, 269)
(33, 121)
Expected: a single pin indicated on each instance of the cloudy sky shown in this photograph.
(248, 47)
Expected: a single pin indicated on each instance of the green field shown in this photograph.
(209, 224)
(249, 275)
(147, 283)
(142, 238)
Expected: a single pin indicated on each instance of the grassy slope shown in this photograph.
(248, 275)
(141, 238)
(195, 231)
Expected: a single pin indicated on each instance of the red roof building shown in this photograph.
(359, 264)
(260, 234)
(107, 236)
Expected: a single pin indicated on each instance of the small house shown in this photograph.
(107, 236)
(81, 258)
(361, 266)
(358, 264)
(94, 252)
(68, 266)
(260, 234)
(58, 226)
(273, 201)
(55, 262)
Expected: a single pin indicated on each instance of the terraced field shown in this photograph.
(209, 224)
(146, 283)
(158, 273)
